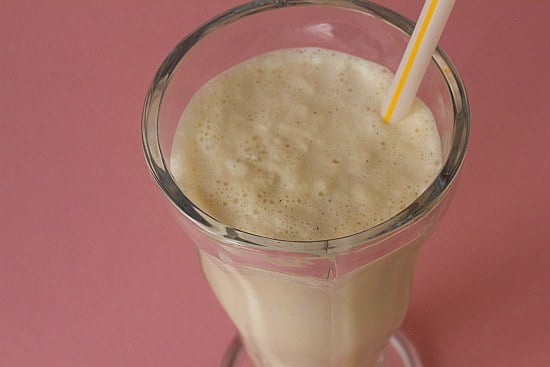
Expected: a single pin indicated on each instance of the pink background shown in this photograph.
(95, 272)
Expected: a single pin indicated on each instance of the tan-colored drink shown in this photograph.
(290, 145)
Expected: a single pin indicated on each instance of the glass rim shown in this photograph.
(414, 212)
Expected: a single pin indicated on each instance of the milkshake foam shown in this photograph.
(291, 145)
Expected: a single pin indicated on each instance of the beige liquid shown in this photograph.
(290, 145)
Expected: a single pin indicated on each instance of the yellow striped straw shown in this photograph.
(416, 59)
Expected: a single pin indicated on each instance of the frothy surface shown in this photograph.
(291, 145)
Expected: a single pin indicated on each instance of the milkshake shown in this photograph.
(290, 145)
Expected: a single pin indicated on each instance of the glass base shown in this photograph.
(400, 353)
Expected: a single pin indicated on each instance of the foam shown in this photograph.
(291, 145)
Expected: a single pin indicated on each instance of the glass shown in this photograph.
(330, 303)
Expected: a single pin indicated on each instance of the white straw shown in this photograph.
(416, 59)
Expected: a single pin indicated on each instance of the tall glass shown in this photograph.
(330, 303)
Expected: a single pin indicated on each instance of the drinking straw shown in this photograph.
(415, 61)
